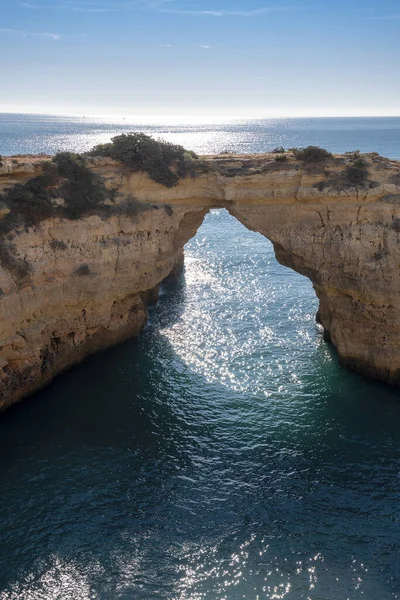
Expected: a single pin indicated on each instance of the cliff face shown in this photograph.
(90, 279)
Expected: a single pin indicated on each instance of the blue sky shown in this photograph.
(180, 58)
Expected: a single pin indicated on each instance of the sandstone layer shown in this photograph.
(90, 279)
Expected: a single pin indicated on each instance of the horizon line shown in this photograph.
(158, 118)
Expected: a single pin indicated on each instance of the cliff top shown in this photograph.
(33, 163)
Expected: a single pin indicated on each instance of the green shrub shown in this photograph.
(70, 165)
(29, 204)
(143, 153)
(350, 177)
(359, 163)
(311, 154)
(81, 189)
(68, 177)
(278, 150)
(354, 176)
(187, 165)
(281, 158)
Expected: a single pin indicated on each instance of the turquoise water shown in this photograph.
(222, 455)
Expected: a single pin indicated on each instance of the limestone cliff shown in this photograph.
(88, 280)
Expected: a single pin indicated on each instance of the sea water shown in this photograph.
(224, 454)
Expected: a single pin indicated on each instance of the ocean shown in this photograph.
(222, 455)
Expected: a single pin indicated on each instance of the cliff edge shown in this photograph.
(85, 244)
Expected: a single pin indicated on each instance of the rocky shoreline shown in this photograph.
(77, 278)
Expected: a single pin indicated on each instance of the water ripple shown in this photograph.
(223, 455)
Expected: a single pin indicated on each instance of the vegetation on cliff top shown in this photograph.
(67, 189)
(311, 154)
(141, 152)
(355, 175)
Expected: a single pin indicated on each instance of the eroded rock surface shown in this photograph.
(90, 279)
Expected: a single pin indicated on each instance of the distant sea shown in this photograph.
(223, 454)
(21, 134)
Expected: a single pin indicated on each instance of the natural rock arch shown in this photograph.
(90, 279)
(344, 251)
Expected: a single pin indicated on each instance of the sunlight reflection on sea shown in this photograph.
(223, 455)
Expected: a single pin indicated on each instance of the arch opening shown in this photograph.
(246, 321)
